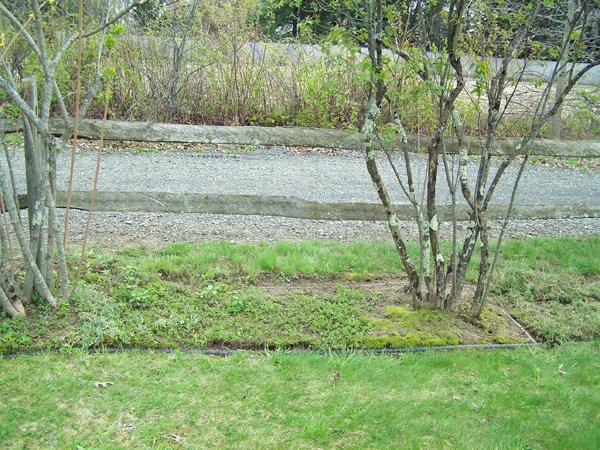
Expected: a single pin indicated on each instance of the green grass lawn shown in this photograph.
(310, 294)
(525, 398)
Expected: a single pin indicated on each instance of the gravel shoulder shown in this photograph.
(117, 230)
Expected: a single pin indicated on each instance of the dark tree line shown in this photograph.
(287, 18)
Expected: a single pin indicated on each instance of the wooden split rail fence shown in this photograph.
(286, 206)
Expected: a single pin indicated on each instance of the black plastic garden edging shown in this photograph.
(228, 352)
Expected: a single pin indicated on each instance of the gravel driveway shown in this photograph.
(322, 176)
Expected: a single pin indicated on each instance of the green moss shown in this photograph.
(490, 321)
(384, 325)
(375, 342)
(402, 327)
(501, 339)
(498, 327)
(410, 340)
(397, 311)
(424, 319)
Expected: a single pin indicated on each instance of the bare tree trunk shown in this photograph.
(556, 127)
(35, 165)
(375, 25)
(433, 224)
(10, 300)
(30, 263)
(392, 219)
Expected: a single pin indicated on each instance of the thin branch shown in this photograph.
(105, 25)
(64, 114)
(43, 57)
(23, 106)
(20, 28)
(479, 302)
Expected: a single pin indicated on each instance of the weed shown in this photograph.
(14, 333)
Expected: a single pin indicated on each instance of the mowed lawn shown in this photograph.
(524, 398)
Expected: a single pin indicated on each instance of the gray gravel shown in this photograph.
(321, 176)
(312, 176)
(116, 230)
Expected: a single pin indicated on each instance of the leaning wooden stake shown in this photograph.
(76, 117)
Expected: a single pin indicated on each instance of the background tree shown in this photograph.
(174, 30)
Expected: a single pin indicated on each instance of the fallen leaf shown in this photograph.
(128, 427)
(173, 437)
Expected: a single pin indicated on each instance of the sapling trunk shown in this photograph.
(43, 252)
(441, 73)
(392, 219)
(10, 300)
(30, 263)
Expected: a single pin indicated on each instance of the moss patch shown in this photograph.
(410, 340)
(495, 325)
(402, 326)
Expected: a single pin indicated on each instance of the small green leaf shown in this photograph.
(110, 41)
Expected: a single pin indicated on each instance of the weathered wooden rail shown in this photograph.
(295, 137)
(285, 206)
